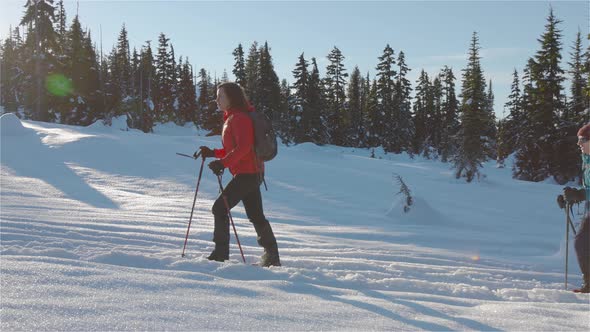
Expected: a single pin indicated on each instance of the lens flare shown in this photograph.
(58, 85)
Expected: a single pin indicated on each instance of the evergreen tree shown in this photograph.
(365, 88)
(385, 127)
(285, 128)
(269, 91)
(12, 77)
(300, 117)
(528, 164)
(315, 105)
(147, 85)
(586, 70)
(490, 130)
(252, 70)
(337, 116)
(209, 118)
(82, 70)
(435, 122)
(61, 28)
(403, 132)
(501, 147)
(164, 79)
(474, 118)
(187, 95)
(575, 111)
(449, 115)
(545, 141)
(121, 72)
(175, 75)
(508, 128)
(354, 133)
(39, 52)
(239, 70)
(372, 116)
(423, 118)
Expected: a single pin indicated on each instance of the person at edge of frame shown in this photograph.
(573, 196)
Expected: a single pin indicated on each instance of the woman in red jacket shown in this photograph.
(238, 155)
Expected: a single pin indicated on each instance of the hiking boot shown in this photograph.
(585, 286)
(270, 257)
(219, 255)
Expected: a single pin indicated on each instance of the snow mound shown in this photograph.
(10, 125)
(117, 123)
(172, 129)
(420, 212)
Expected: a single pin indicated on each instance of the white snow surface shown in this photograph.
(93, 220)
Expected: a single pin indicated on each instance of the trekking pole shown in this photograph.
(570, 220)
(186, 155)
(230, 217)
(567, 236)
(194, 200)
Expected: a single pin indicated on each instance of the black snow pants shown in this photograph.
(582, 245)
(245, 188)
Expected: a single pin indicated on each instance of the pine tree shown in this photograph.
(372, 116)
(575, 111)
(286, 130)
(209, 118)
(81, 69)
(224, 77)
(122, 69)
(474, 119)
(269, 91)
(164, 79)
(12, 77)
(239, 70)
(508, 128)
(61, 28)
(423, 108)
(252, 70)
(337, 116)
(501, 146)
(365, 88)
(545, 140)
(146, 87)
(174, 75)
(435, 122)
(528, 165)
(39, 51)
(300, 117)
(354, 133)
(187, 95)
(402, 135)
(490, 130)
(586, 70)
(449, 115)
(315, 105)
(384, 123)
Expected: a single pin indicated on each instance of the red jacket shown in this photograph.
(237, 139)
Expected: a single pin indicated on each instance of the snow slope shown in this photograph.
(93, 221)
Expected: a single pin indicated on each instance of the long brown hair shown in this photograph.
(236, 95)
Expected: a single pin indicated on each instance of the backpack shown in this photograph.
(265, 138)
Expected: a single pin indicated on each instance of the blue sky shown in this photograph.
(431, 33)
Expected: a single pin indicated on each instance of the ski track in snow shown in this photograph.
(93, 222)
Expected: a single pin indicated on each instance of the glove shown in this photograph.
(561, 202)
(217, 167)
(206, 152)
(572, 195)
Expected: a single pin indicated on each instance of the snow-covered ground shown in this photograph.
(93, 221)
